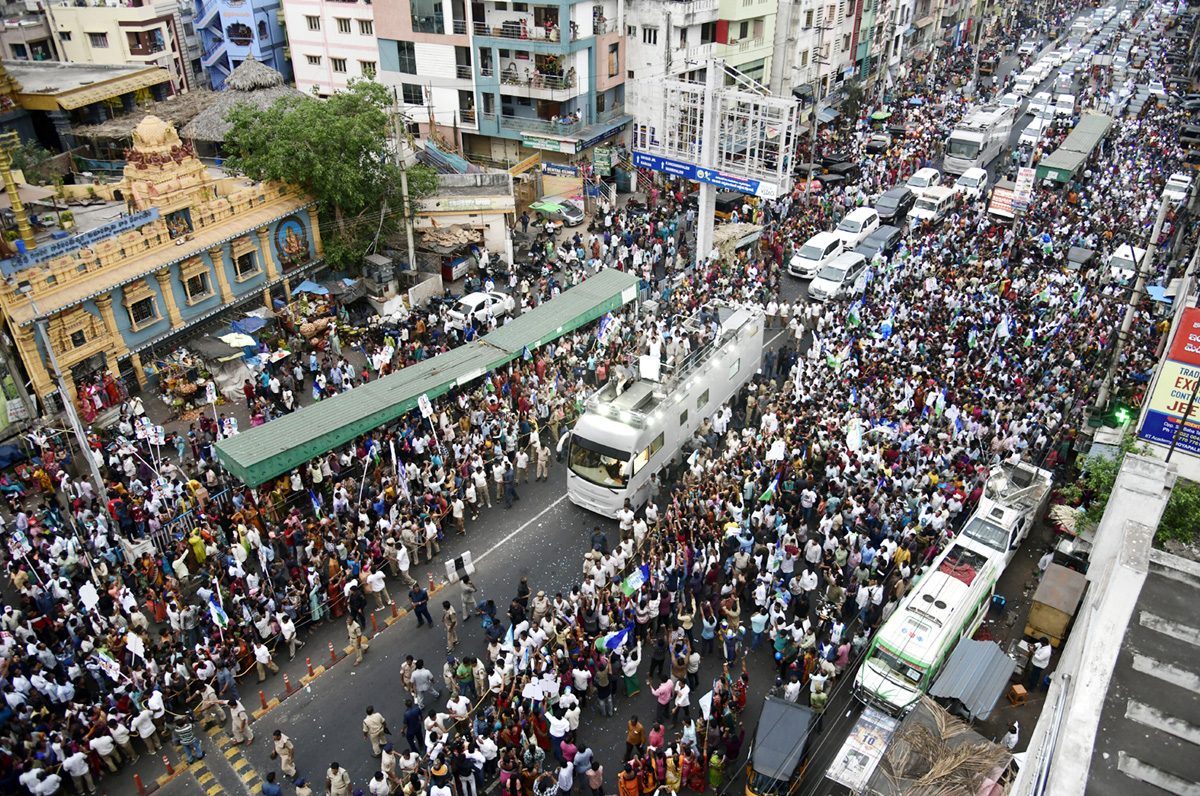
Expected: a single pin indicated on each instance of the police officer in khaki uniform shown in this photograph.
(354, 631)
(374, 729)
(337, 781)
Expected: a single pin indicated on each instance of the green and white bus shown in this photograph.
(910, 649)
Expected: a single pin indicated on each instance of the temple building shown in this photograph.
(164, 249)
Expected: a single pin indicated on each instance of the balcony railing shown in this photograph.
(533, 80)
(529, 124)
(427, 24)
(515, 30)
(462, 72)
(487, 117)
(466, 115)
(460, 26)
(487, 71)
(614, 112)
(145, 49)
(600, 27)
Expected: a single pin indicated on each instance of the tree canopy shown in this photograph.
(337, 149)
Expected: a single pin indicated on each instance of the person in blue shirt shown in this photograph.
(270, 787)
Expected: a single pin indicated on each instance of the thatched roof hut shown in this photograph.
(177, 110)
(253, 83)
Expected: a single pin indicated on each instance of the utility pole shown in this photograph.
(708, 156)
(68, 405)
(818, 61)
(1135, 297)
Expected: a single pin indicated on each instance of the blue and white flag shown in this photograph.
(612, 641)
(219, 617)
(636, 580)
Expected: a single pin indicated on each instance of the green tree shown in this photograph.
(34, 162)
(336, 149)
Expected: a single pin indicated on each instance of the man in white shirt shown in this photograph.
(76, 766)
(378, 585)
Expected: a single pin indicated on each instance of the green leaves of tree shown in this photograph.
(338, 150)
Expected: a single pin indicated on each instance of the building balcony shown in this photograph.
(144, 50)
(532, 124)
(615, 112)
(535, 86)
(701, 52)
(466, 116)
(213, 53)
(431, 23)
(516, 31)
(746, 45)
(463, 72)
(460, 27)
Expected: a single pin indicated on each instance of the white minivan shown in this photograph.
(838, 278)
(856, 226)
(934, 206)
(816, 253)
(1064, 105)
(1124, 263)
(973, 184)
(924, 179)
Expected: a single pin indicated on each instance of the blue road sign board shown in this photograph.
(766, 190)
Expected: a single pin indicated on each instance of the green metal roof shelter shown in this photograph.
(269, 450)
(1063, 163)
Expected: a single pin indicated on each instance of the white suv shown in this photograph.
(817, 252)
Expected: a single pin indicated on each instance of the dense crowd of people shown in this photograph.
(136, 612)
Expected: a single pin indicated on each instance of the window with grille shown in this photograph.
(314, 23)
(366, 27)
(412, 94)
(98, 39)
(408, 57)
(649, 35)
(338, 64)
(368, 68)
(197, 287)
(314, 60)
(144, 311)
(343, 25)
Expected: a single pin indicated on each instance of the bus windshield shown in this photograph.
(599, 463)
(960, 148)
(897, 669)
(987, 533)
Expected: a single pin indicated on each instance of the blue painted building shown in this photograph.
(189, 249)
(233, 30)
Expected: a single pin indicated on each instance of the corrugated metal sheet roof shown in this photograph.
(1090, 131)
(975, 675)
(581, 304)
(781, 738)
(272, 449)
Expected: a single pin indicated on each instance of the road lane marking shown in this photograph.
(1133, 768)
(1167, 672)
(1154, 718)
(1158, 624)
(506, 539)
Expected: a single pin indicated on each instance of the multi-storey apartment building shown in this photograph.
(330, 42)
(140, 33)
(233, 30)
(503, 79)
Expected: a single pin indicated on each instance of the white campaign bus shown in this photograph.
(630, 429)
(978, 138)
(954, 594)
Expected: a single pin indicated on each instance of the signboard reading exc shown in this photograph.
(1176, 382)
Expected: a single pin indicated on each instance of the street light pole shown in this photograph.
(68, 405)
(1139, 290)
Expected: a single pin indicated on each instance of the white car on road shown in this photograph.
(480, 306)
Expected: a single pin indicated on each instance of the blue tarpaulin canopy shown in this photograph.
(308, 286)
(10, 455)
(248, 325)
(915, 101)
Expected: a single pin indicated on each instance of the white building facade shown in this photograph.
(331, 42)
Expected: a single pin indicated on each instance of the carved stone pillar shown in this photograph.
(218, 258)
(264, 248)
(138, 372)
(104, 304)
(164, 282)
(314, 220)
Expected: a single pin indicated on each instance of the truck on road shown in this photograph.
(979, 138)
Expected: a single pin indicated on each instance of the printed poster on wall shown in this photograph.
(1177, 380)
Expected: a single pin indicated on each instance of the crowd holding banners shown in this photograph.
(799, 517)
